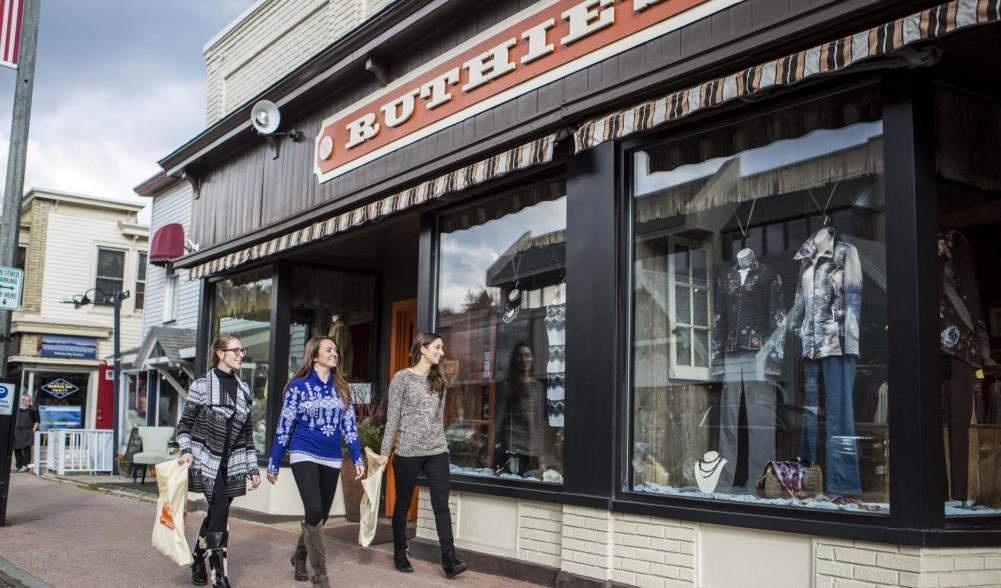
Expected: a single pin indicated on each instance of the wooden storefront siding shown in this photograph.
(250, 196)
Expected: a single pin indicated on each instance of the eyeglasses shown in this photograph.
(237, 350)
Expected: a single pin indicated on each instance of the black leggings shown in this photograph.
(22, 456)
(218, 515)
(316, 484)
(435, 469)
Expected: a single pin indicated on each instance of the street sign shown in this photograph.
(8, 397)
(8, 417)
(11, 279)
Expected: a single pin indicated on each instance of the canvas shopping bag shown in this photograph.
(371, 486)
(168, 527)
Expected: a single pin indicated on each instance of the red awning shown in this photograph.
(168, 244)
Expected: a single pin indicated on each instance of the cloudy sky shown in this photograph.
(118, 85)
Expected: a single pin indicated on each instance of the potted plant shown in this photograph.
(369, 435)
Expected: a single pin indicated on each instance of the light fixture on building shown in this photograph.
(266, 119)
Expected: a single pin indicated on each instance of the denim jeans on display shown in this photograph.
(841, 470)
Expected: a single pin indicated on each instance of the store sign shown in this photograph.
(10, 288)
(8, 397)
(539, 45)
(68, 347)
(60, 388)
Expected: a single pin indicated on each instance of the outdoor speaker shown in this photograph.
(265, 117)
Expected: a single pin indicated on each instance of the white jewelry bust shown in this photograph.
(708, 470)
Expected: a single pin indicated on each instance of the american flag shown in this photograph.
(10, 31)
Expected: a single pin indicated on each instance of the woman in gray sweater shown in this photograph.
(416, 418)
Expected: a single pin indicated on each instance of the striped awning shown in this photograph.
(524, 156)
(823, 59)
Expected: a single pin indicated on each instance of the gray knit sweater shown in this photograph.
(417, 415)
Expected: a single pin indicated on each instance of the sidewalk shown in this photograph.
(69, 536)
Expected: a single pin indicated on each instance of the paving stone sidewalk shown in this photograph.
(69, 536)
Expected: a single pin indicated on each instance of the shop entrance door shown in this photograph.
(402, 331)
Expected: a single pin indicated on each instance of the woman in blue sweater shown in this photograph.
(316, 414)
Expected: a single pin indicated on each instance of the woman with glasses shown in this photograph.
(216, 439)
(316, 416)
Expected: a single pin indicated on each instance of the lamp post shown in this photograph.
(116, 299)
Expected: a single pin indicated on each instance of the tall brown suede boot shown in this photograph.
(317, 552)
(299, 558)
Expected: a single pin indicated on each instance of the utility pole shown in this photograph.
(119, 296)
(16, 157)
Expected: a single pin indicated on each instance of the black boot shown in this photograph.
(299, 558)
(217, 558)
(401, 561)
(450, 562)
(199, 574)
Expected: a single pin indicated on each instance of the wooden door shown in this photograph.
(402, 331)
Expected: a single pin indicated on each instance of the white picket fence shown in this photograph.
(74, 451)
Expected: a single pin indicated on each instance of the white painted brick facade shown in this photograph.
(652, 552)
(273, 39)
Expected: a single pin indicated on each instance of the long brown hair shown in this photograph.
(221, 343)
(436, 382)
(306, 367)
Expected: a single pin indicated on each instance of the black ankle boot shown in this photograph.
(450, 562)
(217, 558)
(401, 561)
(199, 574)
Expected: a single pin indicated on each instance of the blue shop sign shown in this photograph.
(69, 347)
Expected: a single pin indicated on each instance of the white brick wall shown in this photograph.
(652, 552)
(858, 564)
(271, 41)
(540, 527)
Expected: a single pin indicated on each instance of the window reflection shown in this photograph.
(502, 313)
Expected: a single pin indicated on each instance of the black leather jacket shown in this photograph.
(746, 314)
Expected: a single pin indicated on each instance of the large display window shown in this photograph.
(501, 309)
(242, 307)
(968, 153)
(759, 322)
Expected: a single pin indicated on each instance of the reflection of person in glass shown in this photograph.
(216, 439)
(415, 417)
(316, 414)
(521, 415)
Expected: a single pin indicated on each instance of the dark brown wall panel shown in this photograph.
(251, 192)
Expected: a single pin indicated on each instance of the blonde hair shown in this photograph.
(221, 343)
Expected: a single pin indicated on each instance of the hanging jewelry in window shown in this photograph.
(514, 296)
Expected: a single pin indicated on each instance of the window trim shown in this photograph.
(140, 254)
(171, 294)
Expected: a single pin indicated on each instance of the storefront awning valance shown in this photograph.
(823, 59)
(168, 244)
(524, 156)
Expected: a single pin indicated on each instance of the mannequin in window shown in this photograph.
(826, 316)
(965, 348)
(749, 305)
(341, 335)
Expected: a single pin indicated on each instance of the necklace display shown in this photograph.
(708, 471)
(713, 465)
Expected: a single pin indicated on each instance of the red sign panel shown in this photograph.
(541, 44)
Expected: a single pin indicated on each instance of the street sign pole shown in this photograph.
(9, 402)
(14, 185)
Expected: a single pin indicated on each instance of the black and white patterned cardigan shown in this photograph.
(208, 427)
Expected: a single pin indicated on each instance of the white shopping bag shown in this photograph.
(371, 486)
(168, 527)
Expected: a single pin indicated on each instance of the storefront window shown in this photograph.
(61, 398)
(759, 311)
(168, 398)
(968, 130)
(137, 399)
(340, 305)
(242, 307)
(502, 314)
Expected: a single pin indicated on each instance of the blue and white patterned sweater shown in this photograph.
(314, 419)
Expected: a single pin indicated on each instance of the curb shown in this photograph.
(19, 578)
